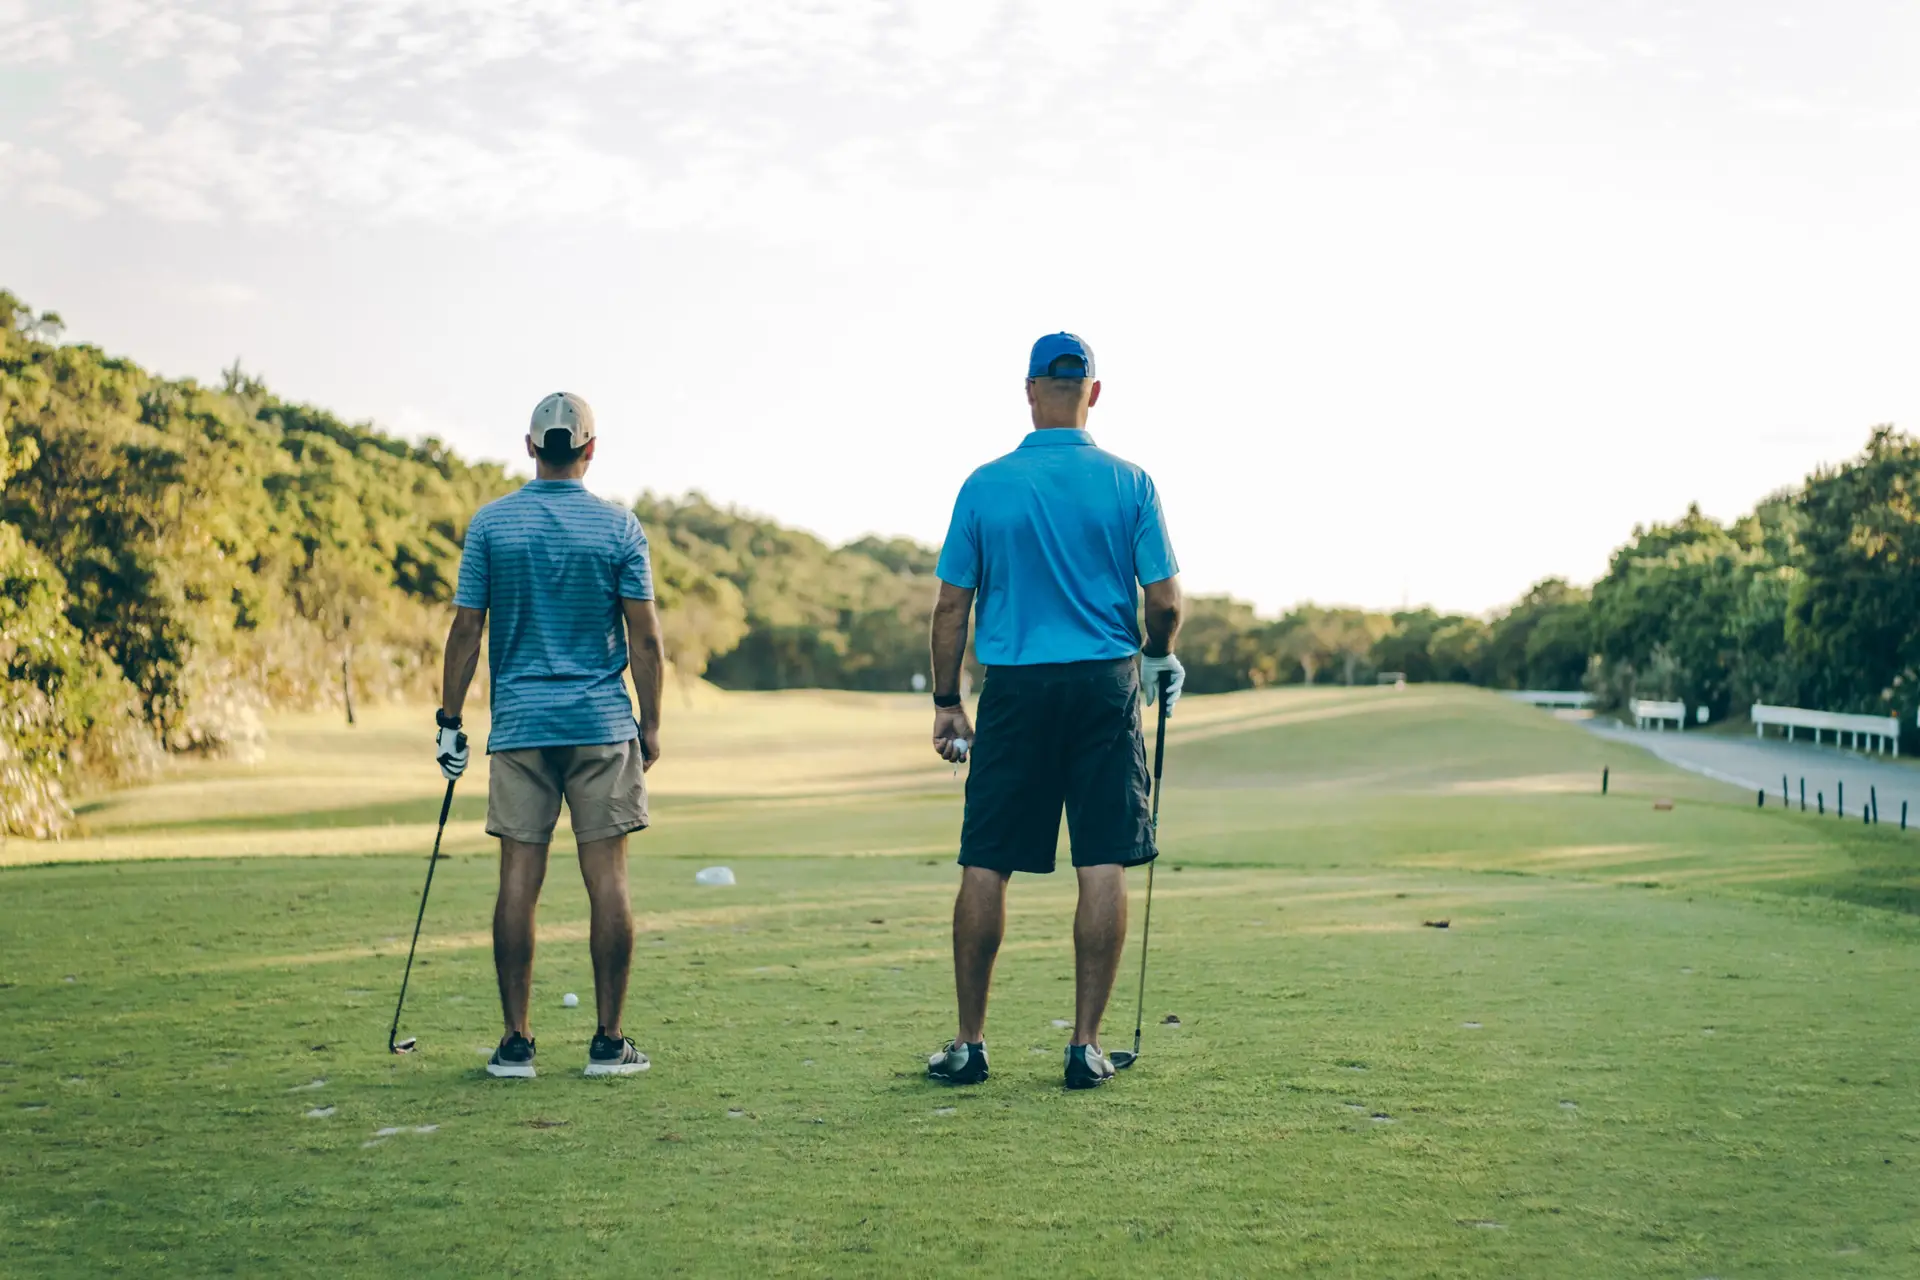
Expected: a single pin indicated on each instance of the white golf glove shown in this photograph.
(1151, 669)
(451, 747)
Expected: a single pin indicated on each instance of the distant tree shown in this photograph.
(340, 591)
(1220, 644)
(1319, 639)
(1542, 640)
(1668, 615)
(1853, 618)
(897, 555)
(1458, 651)
(700, 614)
(1407, 645)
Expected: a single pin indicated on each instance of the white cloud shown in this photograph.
(226, 294)
(95, 120)
(26, 39)
(496, 112)
(35, 178)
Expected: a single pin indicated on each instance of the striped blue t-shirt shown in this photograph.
(550, 564)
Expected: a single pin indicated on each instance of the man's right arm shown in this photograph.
(1159, 669)
(1163, 616)
(647, 653)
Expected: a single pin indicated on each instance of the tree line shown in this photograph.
(177, 559)
(1811, 599)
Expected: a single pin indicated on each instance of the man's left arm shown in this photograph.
(952, 731)
(959, 574)
(461, 660)
(471, 597)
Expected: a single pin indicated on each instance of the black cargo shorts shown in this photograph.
(1050, 736)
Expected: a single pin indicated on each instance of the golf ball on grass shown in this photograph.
(570, 1001)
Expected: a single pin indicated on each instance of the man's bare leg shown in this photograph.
(1099, 935)
(979, 921)
(603, 865)
(522, 868)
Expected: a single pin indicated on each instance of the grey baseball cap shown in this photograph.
(564, 410)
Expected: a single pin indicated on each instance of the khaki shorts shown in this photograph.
(605, 789)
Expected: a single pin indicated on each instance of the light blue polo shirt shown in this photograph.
(1054, 538)
(550, 564)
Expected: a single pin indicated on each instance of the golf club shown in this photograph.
(406, 1046)
(1123, 1059)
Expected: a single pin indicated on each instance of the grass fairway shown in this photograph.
(1648, 1044)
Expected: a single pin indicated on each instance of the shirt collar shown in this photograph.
(556, 484)
(1039, 438)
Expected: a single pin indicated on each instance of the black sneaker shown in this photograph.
(614, 1056)
(959, 1063)
(1087, 1067)
(513, 1059)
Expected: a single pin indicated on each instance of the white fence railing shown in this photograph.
(1568, 698)
(1879, 733)
(1645, 710)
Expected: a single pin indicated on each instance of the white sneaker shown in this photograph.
(512, 1059)
(614, 1057)
(1087, 1067)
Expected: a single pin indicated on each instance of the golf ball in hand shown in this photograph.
(961, 745)
(570, 1000)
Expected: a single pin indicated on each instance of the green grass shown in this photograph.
(1649, 1043)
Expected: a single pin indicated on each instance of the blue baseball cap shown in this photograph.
(1051, 351)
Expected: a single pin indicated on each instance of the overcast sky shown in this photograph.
(1396, 301)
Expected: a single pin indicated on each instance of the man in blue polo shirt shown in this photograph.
(562, 580)
(1046, 549)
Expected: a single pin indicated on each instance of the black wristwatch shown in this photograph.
(946, 700)
(444, 720)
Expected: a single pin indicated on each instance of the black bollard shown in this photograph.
(1785, 800)
(1820, 802)
(1866, 816)
(1873, 804)
(1603, 781)
(1840, 799)
(1903, 815)
(1803, 795)
(1760, 798)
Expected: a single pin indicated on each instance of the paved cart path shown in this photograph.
(1755, 763)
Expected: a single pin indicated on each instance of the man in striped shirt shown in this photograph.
(565, 579)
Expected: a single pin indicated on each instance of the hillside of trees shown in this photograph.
(179, 558)
(1812, 599)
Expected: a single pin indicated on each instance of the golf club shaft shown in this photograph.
(1146, 928)
(446, 806)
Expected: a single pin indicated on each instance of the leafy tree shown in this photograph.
(1668, 615)
(65, 706)
(1541, 642)
(700, 614)
(852, 617)
(1458, 651)
(1853, 618)
(1408, 646)
(1220, 645)
(1319, 639)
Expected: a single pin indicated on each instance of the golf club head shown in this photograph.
(403, 1046)
(1122, 1059)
